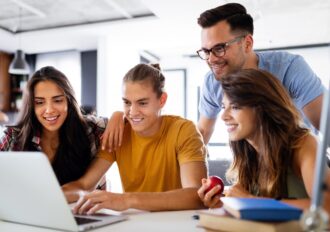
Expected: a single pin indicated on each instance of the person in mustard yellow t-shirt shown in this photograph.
(161, 160)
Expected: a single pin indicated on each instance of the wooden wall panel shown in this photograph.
(4, 82)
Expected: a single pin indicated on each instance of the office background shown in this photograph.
(95, 43)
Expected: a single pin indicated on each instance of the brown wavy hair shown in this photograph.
(279, 131)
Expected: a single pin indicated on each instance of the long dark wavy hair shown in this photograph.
(74, 152)
(279, 131)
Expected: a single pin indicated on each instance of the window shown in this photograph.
(175, 86)
(68, 63)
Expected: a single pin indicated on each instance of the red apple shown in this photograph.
(214, 181)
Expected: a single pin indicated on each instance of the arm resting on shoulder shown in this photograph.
(113, 135)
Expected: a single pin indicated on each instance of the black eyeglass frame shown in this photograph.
(221, 49)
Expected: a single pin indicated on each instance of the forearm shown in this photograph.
(87, 182)
(304, 204)
(74, 190)
(206, 128)
(300, 203)
(71, 191)
(206, 136)
(180, 199)
(206, 133)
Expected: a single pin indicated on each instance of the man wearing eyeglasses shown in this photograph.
(227, 46)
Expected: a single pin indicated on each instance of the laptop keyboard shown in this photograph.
(82, 221)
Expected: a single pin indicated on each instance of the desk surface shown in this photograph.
(159, 221)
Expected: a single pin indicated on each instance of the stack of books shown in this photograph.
(251, 214)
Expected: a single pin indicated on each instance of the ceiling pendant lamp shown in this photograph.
(19, 66)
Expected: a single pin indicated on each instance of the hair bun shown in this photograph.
(156, 66)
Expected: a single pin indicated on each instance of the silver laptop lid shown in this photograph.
(30, 192)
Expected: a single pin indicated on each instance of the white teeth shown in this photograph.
(51, 118)
(219, 65)
(231, 126)
(136, 119)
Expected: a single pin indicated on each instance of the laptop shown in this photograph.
(30, 194)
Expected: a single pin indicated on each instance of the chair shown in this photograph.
(219, 168)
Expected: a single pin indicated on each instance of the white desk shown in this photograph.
(161, 221)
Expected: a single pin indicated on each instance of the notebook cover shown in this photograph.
(260, 209)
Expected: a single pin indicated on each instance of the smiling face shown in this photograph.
(240, 121)
(235, 56)
(50, 106)
(142, 107)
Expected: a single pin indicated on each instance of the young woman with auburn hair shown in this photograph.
(273, 154)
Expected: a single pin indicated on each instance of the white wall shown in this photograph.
(68, 62)
(114, 60)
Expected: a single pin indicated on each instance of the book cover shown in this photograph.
(260, 209)
(220, 220)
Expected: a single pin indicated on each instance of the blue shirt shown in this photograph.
(293, 72)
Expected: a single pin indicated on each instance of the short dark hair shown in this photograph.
(235, 14)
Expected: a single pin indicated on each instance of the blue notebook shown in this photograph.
(260, 209)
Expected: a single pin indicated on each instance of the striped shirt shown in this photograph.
(95, 128)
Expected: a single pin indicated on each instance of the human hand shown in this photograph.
(92, 202)
(237, 191)
(210, 199)
(113, 134)
(72, 196)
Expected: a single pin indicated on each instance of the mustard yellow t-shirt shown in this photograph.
(152, 164)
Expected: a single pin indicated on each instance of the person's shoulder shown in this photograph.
(175, 118)
(9, 137)
(92, 120)
(278, 62)
(309, 142)
(307, 149)
(280, 56)
(178, 122)
(12, 131)
(277, 57)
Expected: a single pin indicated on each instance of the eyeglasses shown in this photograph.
(218, 50)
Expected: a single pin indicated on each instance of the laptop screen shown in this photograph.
(30, 194)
